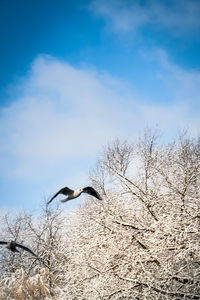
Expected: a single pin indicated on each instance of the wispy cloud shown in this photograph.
(130, 16)
(64, 115)
(121, 15)
(183, 84)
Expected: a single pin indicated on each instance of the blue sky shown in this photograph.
(75, 75)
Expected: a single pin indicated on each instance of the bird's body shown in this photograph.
(12, 247)
(72, 194)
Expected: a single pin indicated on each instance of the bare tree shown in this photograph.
(141, 242)
(24, 276)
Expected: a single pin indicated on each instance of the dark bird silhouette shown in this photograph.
(72, 194)
(12, 246)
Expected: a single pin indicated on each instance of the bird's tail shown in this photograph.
(65, 200)
(16, 250)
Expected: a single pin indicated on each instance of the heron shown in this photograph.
(12, 247)
(72, 194)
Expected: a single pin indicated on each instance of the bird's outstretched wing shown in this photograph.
(3, 243)
(26, 249)
(65, 191)
(91, 191)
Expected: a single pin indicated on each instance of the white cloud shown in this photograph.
(183, 90)
(184, 85)
(120, 15)
(129, 16)
(64, 115)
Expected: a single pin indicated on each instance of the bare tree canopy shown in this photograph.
(142, 241)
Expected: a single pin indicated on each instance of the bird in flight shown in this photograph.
(12, 246)
(72, 194)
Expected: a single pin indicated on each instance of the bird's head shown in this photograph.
(12, 244)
